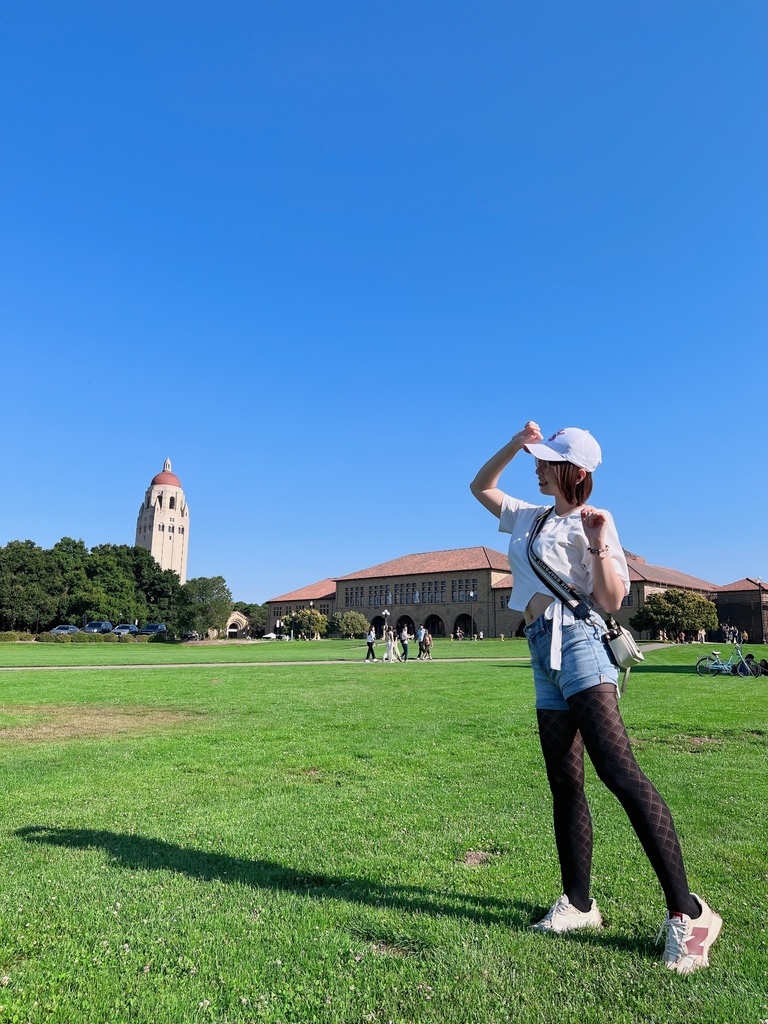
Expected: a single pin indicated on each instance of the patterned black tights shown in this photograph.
(594, 722)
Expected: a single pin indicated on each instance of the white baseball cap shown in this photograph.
(571, 444)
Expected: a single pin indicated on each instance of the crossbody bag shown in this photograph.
(619, 642)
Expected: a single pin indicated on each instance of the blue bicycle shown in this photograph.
(713, 665)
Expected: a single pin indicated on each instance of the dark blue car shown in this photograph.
(152, 629)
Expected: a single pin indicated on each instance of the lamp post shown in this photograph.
(760, 606)
(311, 631)
(385, 614)
(471, 596)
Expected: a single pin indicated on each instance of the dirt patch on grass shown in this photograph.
(476, 858)
(50, 723)
(388, 949)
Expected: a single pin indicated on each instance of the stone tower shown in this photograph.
(163, 524)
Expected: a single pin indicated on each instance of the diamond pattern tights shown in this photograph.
(594, 722)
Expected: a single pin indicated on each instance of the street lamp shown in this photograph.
(385, 613)
(760, 605)
(311, 631)
(471, 597)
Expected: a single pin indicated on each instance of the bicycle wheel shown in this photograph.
(743, 669)
(754, 668)
(707, 666)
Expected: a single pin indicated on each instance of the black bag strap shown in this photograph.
(549, 577)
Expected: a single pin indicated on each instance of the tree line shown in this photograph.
(68, 583)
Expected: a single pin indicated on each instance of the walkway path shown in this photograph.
(259, 664)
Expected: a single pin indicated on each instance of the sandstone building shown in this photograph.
(465, 588)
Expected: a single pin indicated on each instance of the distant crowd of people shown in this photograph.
(730, 635)
(391, 639)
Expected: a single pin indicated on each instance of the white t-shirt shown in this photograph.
(562, 544)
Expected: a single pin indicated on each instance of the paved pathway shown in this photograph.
(257, 664)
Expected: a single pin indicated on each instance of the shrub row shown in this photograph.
(12, 636)
(86, 638)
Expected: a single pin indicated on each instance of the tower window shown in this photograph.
(161, 527)
(171, 503)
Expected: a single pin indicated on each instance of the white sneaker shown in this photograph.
(564, 917)
(689, 939)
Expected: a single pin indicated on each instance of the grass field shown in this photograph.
(348, 843)
(30, 654)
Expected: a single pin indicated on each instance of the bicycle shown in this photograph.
(713, 665)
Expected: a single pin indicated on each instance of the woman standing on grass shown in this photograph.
(576, 684)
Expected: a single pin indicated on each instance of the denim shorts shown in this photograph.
(585, 662)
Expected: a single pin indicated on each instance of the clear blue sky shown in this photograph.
(329, 256)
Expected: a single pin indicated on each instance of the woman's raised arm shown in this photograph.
(485, 485)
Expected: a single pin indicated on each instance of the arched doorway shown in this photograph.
(434, 625)
(378, 624)
(464, 623)
(237, 626)
(407, 621)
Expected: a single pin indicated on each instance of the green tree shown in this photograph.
(308, 621)
(675, 611)
(202, 603)
(351, 624)
(26, 597)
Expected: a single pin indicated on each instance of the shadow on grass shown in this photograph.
(137, 852)
(144, 853)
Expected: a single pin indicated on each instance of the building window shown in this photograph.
(170, 529)
(161, 527)
(460, 590)
(171, 503)
(433, 591)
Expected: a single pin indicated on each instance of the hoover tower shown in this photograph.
(163, 524)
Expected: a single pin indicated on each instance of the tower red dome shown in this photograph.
(166, 477)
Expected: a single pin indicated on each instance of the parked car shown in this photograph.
(152, 629)
(126, 629)
(64, 629)
(99, 626)
(191, 634)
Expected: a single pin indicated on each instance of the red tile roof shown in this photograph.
(324, 590)
(640, 571)
(456, 560)
(745, 584)
(431, 563)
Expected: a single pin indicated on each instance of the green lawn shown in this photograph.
(290, 844)
(30, 654)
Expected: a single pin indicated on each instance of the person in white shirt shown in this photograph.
(576, 682)
(370, 640)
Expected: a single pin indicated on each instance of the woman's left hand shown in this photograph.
(594, 523)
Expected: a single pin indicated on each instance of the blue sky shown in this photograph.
(328, 257)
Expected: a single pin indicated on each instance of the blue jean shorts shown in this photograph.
(585, 662)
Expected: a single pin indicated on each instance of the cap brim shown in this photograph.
(544, 452)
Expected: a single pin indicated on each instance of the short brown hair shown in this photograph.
(575, 491)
